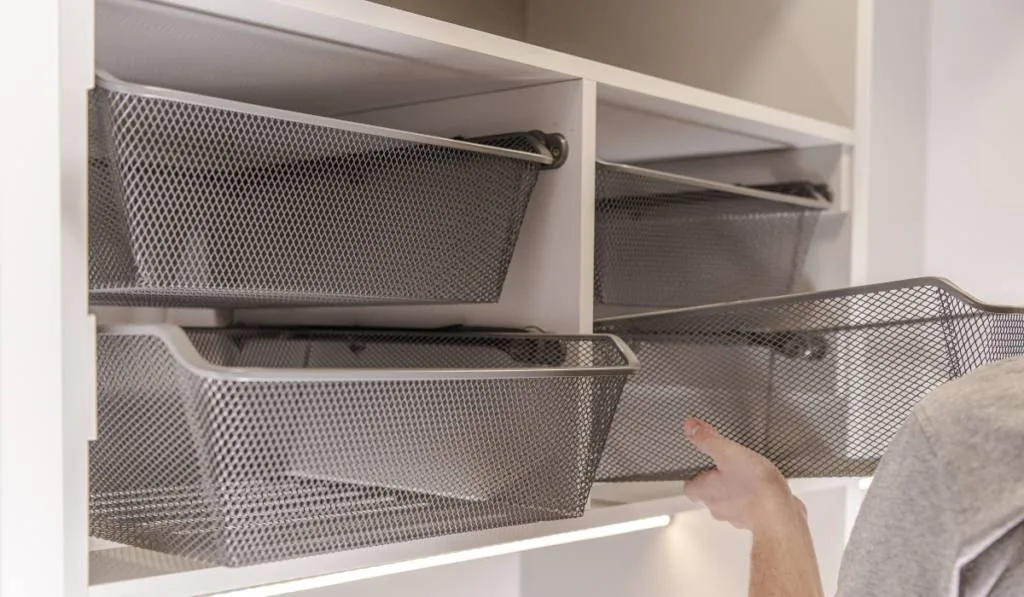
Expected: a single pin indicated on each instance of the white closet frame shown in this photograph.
(490, 84)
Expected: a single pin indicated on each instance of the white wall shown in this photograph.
(975, 209)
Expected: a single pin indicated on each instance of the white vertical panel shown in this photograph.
(890, 156)
(859, 157)
(45, 337)
(550, 279)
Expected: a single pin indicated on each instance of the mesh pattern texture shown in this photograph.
(667, 244)
(817, 383)
(241, 469)
(199, 205)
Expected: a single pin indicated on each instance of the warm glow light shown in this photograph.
(328, 580)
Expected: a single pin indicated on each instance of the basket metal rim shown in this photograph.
(822, 203)
(185, 353)
(110, 83)
(939, 282)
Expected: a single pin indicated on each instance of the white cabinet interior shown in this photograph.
(317, 57)
(737, 114)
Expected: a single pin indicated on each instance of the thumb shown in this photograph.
(706, 438)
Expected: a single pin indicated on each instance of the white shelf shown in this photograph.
(131, 572)
(630, 136)
(126, 571)
(341, 57)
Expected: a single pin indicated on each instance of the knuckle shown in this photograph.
(765, 471)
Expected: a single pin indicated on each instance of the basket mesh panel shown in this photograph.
(819, 384)
(666, 244)
(240, 472)
(192, 205)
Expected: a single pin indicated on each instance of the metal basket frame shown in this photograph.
(936, 281)
(819, 382)
(178, 344)
(817, 200)
(237, 465)
(198, 201)
(663, 240)
(542, 154)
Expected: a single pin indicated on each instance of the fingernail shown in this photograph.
(690, 428)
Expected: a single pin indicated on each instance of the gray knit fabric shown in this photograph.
(945, 512)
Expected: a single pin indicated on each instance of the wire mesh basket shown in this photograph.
(196, 201)
(240, 446)
(675, 241)
(818, 383)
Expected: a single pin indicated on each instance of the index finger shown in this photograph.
(706, 438)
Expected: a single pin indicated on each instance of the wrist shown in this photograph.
(780, 514)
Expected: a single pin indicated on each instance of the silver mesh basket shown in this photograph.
(818, 383)
(196, 201)
(674, 241)
(239, 446)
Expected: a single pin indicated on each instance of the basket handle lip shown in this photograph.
(934, 281)
(184, 352)
(819, 202)
(110, 83)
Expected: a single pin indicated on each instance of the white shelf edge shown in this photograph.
(387, 30)
(654, 499)
(202, 581)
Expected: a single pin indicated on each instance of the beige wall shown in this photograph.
(501, 17)
(797, 55)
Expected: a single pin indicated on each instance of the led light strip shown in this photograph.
(329, 580)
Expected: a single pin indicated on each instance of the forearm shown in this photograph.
(782, 560)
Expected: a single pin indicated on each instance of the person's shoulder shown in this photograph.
(975, 428)
(988, 392)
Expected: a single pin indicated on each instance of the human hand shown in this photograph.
(744, 489)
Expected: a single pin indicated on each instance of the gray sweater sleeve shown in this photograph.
(904, 541)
